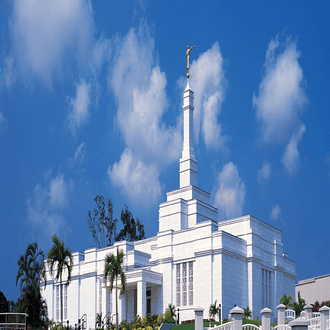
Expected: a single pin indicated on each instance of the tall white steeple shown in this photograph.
(189, 205)
(188, 162)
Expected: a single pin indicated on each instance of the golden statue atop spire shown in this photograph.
(188, 58)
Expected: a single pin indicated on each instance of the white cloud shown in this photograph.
(43, 33)
(139, 181)
(282, 98)
(282, 95)
(139, 88)
(265, 171)
(3, 123)
(229, 192)
(290, 157)
(79, 106)
(207, 79)
(79, 155)
(275, 213)
(45, 208)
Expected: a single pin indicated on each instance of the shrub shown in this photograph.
(59, 327)
(159, 319)
(144, 321)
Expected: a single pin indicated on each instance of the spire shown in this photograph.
(188, 163)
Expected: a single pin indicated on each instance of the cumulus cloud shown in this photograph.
(45, 207)
(139, 88)
(275, 213)
(229, 192)
(79, 106)
(3, 123)
(43, 33)
(290, 157)
(282, 95)
(139, 181)
(207, 79)
(265, 171)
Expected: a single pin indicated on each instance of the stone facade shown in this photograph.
(192, 261)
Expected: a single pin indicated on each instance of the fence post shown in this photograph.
(309, 311)
(199, 318)
(299, 324)
(265, 320)
(324, 317)
(281, 314)
(237, 315)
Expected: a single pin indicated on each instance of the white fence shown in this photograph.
(11, 321)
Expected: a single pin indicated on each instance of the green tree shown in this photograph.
(61, 257)
(286, 300)
(102, 225)
(113, 268)
(299, 305)
(247, 312)
(214, 309)
(31, 272)
(4, 305)
(133, 230)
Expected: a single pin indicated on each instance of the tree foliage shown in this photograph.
(102, 225)
(299, 305)
(247, 312)
(4, 304)
(286, 300)
(214, 309)
(31, 272)
(60, 256)
(133, 230)
(113, 268)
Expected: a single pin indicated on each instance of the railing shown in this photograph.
(290, 314)
(282, 327)
(9, 321)
(225, 326)
(249, 326)
(315, 323)
(316, 314)
(328, 324)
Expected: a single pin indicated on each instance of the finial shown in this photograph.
(188, 58)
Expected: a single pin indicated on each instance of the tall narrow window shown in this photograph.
(266, 288)
(148, 294)
(110, 302)
(65, 301)
(57, 303)
(178, 284)
(100, 295)
(184, 284)
(191, 283)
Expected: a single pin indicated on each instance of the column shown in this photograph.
(199, 318)
(309, 311)
(324, 311)
(265, 320)
(237, 315)
(141, 298)
(281, 314)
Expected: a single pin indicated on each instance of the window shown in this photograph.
(100, 295)
(184, 284)
(266, 288)
(178, 285)
(65, 301)
(148, 301)
(191, 283)
(57, 303)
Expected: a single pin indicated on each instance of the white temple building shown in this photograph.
(192, 261)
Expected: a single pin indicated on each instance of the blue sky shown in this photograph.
(91, 103)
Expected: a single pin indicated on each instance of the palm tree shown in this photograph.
(286, 300)
(299, 305)
(113, 268)
(247, 312)
(31, 272)
(62, 257)
(214, 309)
